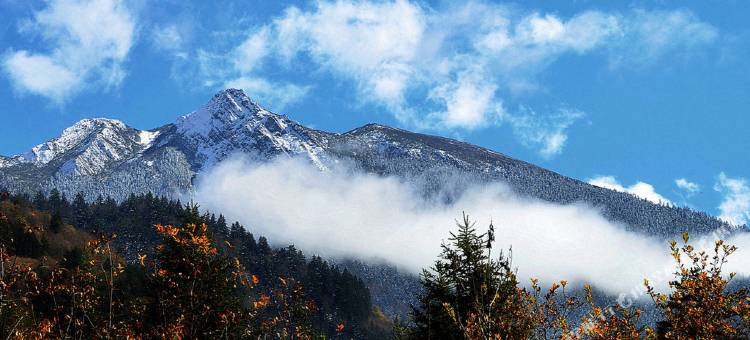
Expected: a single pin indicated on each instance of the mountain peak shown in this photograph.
(233, 101)
(226, 108)
(100, 122)
(231, 93)
(73, 136)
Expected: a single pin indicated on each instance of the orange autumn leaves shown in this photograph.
(191, 235)
(701, 303)
(82, 294)
(262, 302)
(187, 261)
(471, 295)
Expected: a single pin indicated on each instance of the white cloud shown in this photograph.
(689, 187)
(469, 103)
(40, 74)
(735, 207)
(88, 43)
(344, 213)
(372, 43)
(450, 67)
(167, 38)
(546, 133)
(639, 189)
(652, 34)
(251, 52)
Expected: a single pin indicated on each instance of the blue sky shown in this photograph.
(647, 97)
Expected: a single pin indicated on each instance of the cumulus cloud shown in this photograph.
(689, 187)
(450, 67)
(88, 41)
(375, 43)
(469, 103)
(640, 189)
(343, 213)
(735, 206)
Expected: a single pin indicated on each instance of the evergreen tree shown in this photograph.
(465, 282)
(80, 211)
(56, 222)
(40, 200)
(55, 200)
(221, 226)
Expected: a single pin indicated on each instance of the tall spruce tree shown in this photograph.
(467, 281)
(56, 222)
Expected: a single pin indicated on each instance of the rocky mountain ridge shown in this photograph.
(106, 157)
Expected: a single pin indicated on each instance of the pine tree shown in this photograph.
(55, 200)
(80, 211)
(221, 225)
(40, 200)
(466, 282)
(56, 222)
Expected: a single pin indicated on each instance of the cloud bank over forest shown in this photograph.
(344, 213)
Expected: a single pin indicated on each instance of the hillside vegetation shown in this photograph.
(71, 270)
(76, 270)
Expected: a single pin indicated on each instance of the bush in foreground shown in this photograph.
(471, 295)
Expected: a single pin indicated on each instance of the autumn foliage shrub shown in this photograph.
(188, 290)
(701, 304)
(471, 295)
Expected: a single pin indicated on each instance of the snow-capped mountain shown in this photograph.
(88, 147)
(106, 157)
(232, 123)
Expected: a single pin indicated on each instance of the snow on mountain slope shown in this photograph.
(232, 123)
(8, 161)
(146, 138)
(89, 147)
(72, 138)
(86, 148)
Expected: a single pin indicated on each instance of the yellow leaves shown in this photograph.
(451, 312)
(699, 304)
(685, 237)
(142, 259)
(120, 268)
(255, 280)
